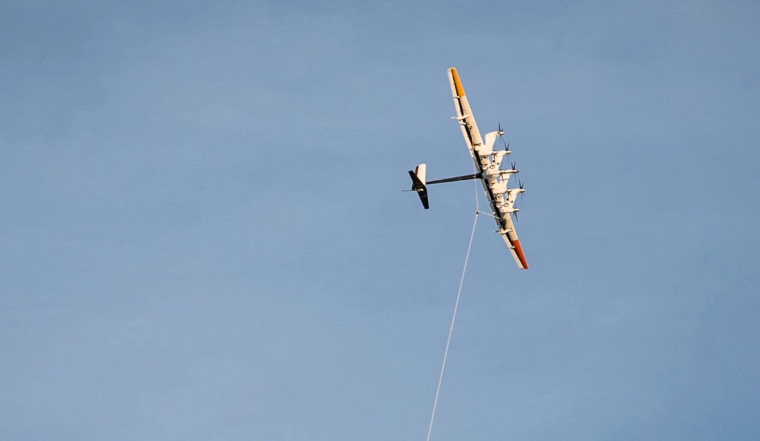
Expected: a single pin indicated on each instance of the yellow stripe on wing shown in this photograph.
(457, 83)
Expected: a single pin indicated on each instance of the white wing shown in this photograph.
(494, 183)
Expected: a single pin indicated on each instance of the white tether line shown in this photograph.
(453, 319)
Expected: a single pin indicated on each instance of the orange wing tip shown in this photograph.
(457, 83)
(520, 255)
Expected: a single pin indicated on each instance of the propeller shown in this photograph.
(501, 135)
(521, 186)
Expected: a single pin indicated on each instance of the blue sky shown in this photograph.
(203, 234)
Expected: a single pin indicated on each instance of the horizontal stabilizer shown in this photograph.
(418, 184)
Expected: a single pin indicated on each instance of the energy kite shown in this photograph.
(488, 165)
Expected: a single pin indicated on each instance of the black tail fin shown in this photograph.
(418, 184)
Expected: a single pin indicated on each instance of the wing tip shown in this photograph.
(522, 263)
(459, 90)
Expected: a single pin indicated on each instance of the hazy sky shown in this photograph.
(203, 234)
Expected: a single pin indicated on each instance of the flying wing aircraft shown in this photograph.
(488, 165)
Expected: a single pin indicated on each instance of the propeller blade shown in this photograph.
(501, 135)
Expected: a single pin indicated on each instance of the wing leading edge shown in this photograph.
(487, 161)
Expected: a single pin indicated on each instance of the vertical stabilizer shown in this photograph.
(418, 184)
